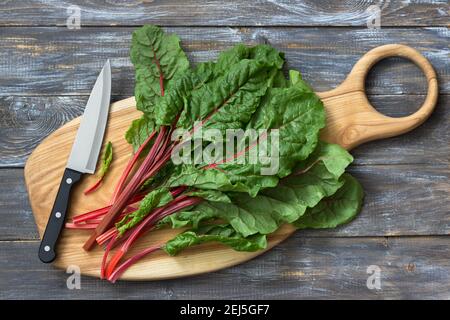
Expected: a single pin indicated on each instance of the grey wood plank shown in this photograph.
(400, 200)
(58, 61)
(25, 121)
(299, 268)
(234, 12)
(16, 217)
(427, 144)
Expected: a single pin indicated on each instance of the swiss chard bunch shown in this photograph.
(221, 197)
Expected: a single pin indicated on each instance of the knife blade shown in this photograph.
(83, 159)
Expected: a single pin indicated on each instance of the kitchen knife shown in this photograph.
(82, 159)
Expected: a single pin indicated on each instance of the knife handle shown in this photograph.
(57, 216)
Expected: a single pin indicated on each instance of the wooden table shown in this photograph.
(47, 71)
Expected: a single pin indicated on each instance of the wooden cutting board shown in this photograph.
(351, 120)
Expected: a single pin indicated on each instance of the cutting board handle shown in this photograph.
(351, 118)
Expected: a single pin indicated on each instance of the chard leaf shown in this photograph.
(154, 199)
(298, 115)
(338, 209)
(224, 234)
(139, 130)
(187, 218)
(168, 107)
(106, 160)
(262, 53)
(280, 81)
(227, 101)
(317, 177)
(157, 58)
(218, 88)
(333, 156)
(215, 179)
(159, 178)
(210, 195)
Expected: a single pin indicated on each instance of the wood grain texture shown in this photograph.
(300, 268)
(427, 144)
(231, 13)
(351, 120)
(58, 61)
(25, 121)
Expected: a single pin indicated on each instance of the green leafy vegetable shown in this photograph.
(262, 53)
(105, 163)
(139, 130)
(106, 159)
(230, 98)
(157, 59)
(335, 210)
(215, 233)
(316, 178)
(152, 200)
(210, 195)
(298, 115)
(188, 218)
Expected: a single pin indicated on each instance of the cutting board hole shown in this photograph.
(396, 87)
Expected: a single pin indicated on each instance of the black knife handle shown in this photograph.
(57, 216)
